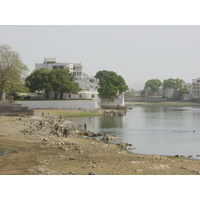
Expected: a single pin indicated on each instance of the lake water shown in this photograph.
(153, 129)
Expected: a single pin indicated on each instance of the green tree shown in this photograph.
(176, 84)
(61, 82)
(153, 85)
(39, 80)
(173, 83)
(182, 91)
(15, 89)
(11, 70)
(110, 84)
(57, 80)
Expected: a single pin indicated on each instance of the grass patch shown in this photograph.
(53, 99)
(66, 112)
(78, 114)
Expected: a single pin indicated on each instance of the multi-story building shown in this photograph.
(50, 63)
(195, 88)
(85, 82)
(88, 85)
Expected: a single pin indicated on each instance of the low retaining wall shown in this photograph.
(61, 104)
(118, 103)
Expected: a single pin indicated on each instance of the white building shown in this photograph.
(195, 89)
(85, 82)
(88, 85)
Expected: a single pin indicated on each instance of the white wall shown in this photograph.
(117, 102)
(61, 104)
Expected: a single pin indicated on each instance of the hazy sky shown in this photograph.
(137, 53)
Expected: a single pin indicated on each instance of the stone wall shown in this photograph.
(118, 103)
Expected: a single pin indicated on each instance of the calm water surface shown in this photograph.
(163, 130)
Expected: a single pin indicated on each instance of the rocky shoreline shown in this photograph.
(42, 150)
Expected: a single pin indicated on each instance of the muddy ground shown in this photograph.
(43, 153)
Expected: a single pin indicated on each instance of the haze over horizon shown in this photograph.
(137, 53)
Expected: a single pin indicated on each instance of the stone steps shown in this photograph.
(10, 108)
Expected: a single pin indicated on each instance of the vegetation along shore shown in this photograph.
(40, 150)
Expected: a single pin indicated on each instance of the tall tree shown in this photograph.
(11, 70)
(57, 80)
(39, 80)
(153, 85)
(177, 85)
(61, 82)
(110, 84)
(173, 83)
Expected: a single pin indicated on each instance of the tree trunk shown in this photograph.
(61, 95)
(2, 94)
(56, 94)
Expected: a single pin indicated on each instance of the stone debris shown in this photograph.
(41, 170)
(124, 144)
(63, 148)
(138, 162)
(109, 138)
(191, 170)
(179, 155)
(92, 173)
(72, 173)
(131, 148)
(161, 166)
(138, 170)
(116, 113)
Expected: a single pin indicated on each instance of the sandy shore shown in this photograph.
(40, 152)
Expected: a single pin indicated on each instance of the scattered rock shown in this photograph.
(92, 173)
(131, 148)
(72, 172)
(78, 148)
(109, 138)
(135, 162)
(179, 156)
(160, 167)
(63, 148)
(138, 170)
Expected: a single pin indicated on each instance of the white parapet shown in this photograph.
(61, 104)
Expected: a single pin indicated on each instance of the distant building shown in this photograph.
(195, 89)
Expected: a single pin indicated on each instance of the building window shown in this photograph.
(93, 96)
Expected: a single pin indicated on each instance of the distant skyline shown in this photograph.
(137, 53)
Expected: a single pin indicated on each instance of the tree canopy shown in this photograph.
(110, 84)
(153, 85)
(39, 80)
(57, 80)
(173, 83)
(11, 71)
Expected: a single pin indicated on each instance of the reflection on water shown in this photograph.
(163, 130)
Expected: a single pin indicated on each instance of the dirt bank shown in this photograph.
(41, 152)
